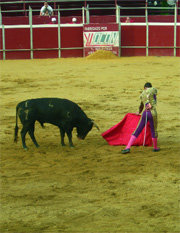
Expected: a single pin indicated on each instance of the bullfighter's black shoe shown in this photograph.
(156, 150)
(125, 151)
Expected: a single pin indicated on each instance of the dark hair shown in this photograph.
(147, 85)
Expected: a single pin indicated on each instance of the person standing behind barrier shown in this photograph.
(171, 2)
(148, 98)
(53, 20)
(129, 20)
(46, 10)
(74, 20)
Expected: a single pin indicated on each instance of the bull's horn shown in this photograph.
(95, 125)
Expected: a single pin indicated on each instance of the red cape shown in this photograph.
(120, 133)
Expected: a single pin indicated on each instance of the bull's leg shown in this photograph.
(23, 135)
(62, 132)
(69, 134)
(31, 133)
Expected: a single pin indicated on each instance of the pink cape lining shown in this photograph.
(120, 133)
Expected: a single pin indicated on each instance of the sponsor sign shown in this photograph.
(101, 37)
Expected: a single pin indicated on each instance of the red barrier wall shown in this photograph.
(133, 36)
(161, 36)
(45, 38)
(45, 41)
(1, 46)
(178, 42)
(17, 38)
(72, 37)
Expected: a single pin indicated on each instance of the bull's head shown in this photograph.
(84, 128)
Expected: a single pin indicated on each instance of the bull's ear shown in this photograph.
(95, 125)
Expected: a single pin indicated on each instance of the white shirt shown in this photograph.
(171, 2)
(48, 8)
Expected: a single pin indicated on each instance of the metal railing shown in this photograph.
(25, 4)
(89, 9)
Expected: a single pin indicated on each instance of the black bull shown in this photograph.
(63, 113)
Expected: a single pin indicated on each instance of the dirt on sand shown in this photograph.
(92, 187)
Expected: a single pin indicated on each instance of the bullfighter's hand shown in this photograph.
(137, 113)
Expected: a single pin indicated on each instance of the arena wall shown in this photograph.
(49, 41)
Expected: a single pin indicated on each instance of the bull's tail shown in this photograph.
(16, 127)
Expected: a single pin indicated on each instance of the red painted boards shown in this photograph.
(45, 38)
(17, 38)
(71, 37)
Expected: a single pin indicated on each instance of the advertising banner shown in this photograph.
(101, 37)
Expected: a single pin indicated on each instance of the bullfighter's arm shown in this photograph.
(141, 106)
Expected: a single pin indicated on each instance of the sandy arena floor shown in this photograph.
(92, 187)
